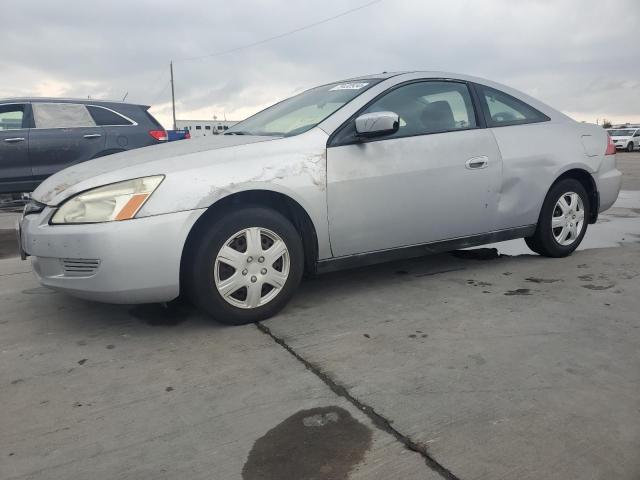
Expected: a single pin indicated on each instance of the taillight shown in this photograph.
(611, 148)
(159, 135)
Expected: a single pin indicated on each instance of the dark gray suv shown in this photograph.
(39, 136)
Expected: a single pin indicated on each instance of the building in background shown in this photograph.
(204, 128)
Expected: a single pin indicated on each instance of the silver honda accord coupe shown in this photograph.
(351, 173)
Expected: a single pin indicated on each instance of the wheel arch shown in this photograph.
(589, 184)
(279, 202)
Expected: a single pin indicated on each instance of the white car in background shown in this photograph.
(350, 173)
(625, 138)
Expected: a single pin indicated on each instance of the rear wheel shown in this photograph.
(246, 266)
(563, 220)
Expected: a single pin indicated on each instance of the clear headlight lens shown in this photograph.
(118, 201)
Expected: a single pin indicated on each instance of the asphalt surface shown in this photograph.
(481, 364)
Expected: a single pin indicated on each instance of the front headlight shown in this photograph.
(118, 201)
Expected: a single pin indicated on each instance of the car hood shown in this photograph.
(77, 177)
(616, 137)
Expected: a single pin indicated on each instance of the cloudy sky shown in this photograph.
(580, 56)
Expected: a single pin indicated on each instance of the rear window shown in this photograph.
(61, 115)
(153, 120)
(501, 109)
(106, 117)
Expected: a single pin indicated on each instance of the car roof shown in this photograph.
(423, 73)
(84, 101)
(435, 74)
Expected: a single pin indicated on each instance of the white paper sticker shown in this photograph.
(349, 86)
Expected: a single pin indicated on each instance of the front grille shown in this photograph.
(80, 267)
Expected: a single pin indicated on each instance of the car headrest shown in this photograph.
(438, 116)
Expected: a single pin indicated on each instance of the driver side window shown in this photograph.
(428, 107)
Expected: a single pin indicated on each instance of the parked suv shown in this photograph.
(39, 137)
(625, 138)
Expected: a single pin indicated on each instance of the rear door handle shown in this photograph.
(14, 140)
(92, 135)
(476, 163)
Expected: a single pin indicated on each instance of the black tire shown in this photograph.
(630, 147)
(532, 243)
(543, 240)
(199, 268)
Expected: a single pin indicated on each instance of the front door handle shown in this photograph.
(14, 140)
(477, 163)
(92, 135)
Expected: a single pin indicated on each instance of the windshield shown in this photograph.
(304, 111)
(621, 133)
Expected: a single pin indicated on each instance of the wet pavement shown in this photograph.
(479, 364)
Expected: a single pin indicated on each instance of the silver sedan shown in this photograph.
(350, 173)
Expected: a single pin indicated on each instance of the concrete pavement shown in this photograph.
(468, 365)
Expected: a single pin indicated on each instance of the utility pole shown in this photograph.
(173, 97)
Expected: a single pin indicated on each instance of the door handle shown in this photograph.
(477, 163)
(14, 140)
(92, 135)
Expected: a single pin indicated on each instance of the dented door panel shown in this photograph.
(533, 157)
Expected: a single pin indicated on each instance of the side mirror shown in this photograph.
(377, 123)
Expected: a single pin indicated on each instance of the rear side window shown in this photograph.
(11, 117)
(106, 117)
(501, 109)
(61, 115)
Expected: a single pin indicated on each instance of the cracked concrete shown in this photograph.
(378, 420)
(102, 392)
(501, 386)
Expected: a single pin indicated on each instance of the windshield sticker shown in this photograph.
(349, 86)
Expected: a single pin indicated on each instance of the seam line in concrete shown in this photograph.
(378, 420)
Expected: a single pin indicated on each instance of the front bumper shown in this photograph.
(131, 261)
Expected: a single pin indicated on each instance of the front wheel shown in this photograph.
(245, 266)
(630, 147)
(563, 220)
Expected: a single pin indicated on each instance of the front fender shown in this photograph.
(296, 169)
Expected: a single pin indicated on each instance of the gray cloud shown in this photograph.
(578, 55)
